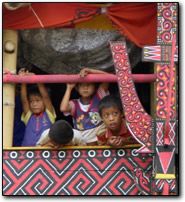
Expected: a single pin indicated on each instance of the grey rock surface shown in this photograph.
(67, 51)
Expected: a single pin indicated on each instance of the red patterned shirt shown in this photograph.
(104, 133)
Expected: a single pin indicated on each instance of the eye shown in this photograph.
(115, 113)
(106, 115)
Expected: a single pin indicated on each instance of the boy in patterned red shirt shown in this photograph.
(113, 131)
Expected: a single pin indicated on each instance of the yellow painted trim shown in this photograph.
(97, 22)
(72, 147)
(165, 176)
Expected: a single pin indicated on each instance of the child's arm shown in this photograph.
(25, 103)
(64, 105)
(128, 140)
(121, 141)
(45, 97)
(24, 99)
(86, 71)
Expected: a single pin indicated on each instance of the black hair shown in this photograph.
(95, 84)
(109, 101)
(61, 132)
(33, 90)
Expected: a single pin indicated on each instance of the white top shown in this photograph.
(44, 138)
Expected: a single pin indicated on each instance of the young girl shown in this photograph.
(38, 112)
(84, 110)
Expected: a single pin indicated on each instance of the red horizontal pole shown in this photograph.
(63, 78)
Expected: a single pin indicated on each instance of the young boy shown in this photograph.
(85, 109)
(38, 112)
(60, 134)
(113, 131)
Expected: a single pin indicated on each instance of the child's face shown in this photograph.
(36, 104)
(86, 90)
(112, 117)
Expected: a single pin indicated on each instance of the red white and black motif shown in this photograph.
(162, 91)
(166, 114)
(73, 172)
(139, 123)
(158, 53)
(165, 160)
(165, 186)
(166, 22)
(143, 181)
(160, 129)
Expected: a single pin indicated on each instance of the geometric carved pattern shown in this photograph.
(139, 123)
(165, 159)
(160, 132)
(160, 185)
(158, 53)
(73, 172)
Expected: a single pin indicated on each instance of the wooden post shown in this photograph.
(10, 41)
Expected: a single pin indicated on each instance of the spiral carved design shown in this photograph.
(138, 121)
(167, 22)
(162, 85)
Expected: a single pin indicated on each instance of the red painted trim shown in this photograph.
(62, 78)
(167, 127)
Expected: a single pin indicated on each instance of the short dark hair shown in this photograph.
(33, 90)
(109, 101)
(61, 132)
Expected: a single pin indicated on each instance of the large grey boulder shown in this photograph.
(67, 51)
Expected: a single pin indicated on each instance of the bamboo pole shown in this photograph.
(10, 43)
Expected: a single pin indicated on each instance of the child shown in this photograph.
(113, 132)
(38, 112)
(85, 109)
(60, 134)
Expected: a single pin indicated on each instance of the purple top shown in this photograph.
(34, 128)
(86, 120)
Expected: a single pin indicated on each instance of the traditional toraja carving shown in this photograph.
(160, 184)
(74, 172)
(138, 121)
(143, 181)
(166, 99)
(162, 91)
(165, 54)
(159, 53)
(165, 95)
(166, 22)
(159, 138)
